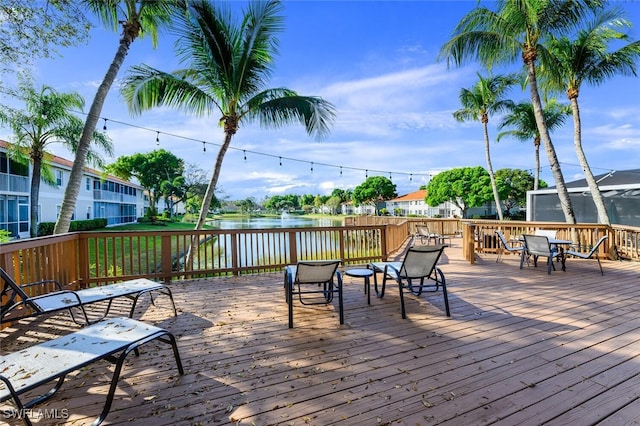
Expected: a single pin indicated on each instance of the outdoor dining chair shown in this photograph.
(314, 283)
(593, 252)
(506, 246)
(538, 245)
(416, 272)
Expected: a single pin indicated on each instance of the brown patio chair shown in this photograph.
(314, 283)
(416, 272)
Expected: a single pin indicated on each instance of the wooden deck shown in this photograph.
(521, 348)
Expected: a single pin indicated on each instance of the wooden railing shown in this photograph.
(479, 237)
(90, 258)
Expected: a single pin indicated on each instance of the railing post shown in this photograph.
(383, 243)
(83, 259)
(234, 254)
(293, 248)
(166, 266)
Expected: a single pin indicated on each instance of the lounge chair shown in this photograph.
(315, 283)
(19, 304)
(425, 236)
(506, 246)
(111, 340)
(416, 272)
(591, 253)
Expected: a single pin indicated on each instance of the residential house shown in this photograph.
(414, 204)
(101, 196)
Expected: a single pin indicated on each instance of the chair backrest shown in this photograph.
(420, 261)
(321, 271)
(423, 230)
(503, 239)
(549, 233)
(10, 289)
(537, 245)
(598, 244)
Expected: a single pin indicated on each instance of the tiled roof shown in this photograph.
(412, 196)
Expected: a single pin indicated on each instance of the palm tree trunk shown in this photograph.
(496, 197)
(75, 180)
(208, 196)
(536, 178)
(33, 196)
(603, 217)
(563, 194)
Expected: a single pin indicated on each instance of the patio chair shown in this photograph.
(593, 252)
(315, 283)
(416, 272)
(506, 246)
(538, 245)
(425, 236)
(52, 297)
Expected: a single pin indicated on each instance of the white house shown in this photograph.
(101, 196)
(414, 204)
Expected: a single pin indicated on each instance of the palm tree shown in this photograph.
(522, 119)
(569, 63)
(138, 18)
(484, 98)
(46, 120)
(227, 65)
(517, 31)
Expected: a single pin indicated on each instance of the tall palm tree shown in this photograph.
(484, 98)
(524, 128)
(569, 63)
(46, 120)
(517, 30)
(227, 66)
(138, 18)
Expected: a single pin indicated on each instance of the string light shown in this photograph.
(204, 147)
(157, 138)
(410, 176)
(244, 152)
(280, 160)
(366, 173)
(104, 128)
(312, 167)
(340, 170)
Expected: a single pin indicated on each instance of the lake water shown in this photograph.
(272, 222)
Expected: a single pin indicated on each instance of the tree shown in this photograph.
(518, 30)
(247, 205)
(521, 118)
(226, 70)
(29, 31)
(374, 189)
(569, 63)
(148, 169)
(465, 187)
(514, 184)
(46, 120)
(173, 191)
(138, 18)
(484, 98)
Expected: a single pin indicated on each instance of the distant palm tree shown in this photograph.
(517, 31)
(137, 18)
(227, 66)
(47, 119)
(484, 98)
(523, 121)
(569, 63)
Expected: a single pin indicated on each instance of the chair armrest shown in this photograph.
(57, 284)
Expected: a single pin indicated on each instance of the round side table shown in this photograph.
(362, 273)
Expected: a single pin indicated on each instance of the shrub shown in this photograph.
(46, 228)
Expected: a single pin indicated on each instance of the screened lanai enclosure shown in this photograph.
(620, 190)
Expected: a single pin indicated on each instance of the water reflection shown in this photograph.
(273, 222)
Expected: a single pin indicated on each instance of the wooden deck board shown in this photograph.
(521, 347)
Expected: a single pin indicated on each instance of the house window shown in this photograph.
(88, 184)
(59, 177)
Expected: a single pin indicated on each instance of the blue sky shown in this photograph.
(376, 62)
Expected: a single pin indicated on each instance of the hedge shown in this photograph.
(46, 228)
